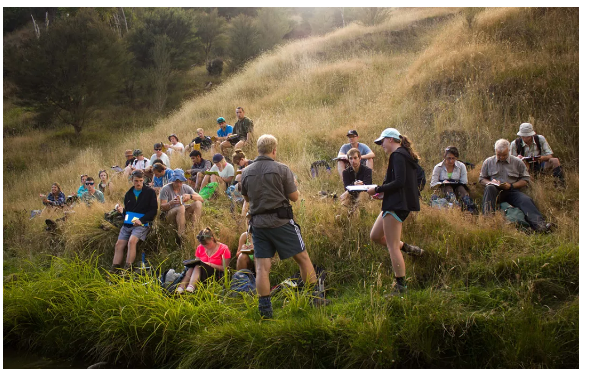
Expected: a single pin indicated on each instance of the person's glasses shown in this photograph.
(157, 149)
(89, 183)
(203, 237)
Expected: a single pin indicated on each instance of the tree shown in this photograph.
(160, 74)
(74, 67)
(374, 16)
(244, 39)
(273, 24)
(210, 28)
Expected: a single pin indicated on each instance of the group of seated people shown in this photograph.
(502, 175)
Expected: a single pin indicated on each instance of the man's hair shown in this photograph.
(354, 152)
(266, 144)
(137, 174)
(501, 145)
(200, 130)
(157, 161)
(195, 153)
(158, 167)
(89, 179)
(240, 108)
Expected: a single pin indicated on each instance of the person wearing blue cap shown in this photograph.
(400, 195)
(222, 133)
(175, 200)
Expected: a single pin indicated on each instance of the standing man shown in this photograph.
(223, 131)
(142, 201)
(503, 175)
(367, 155)
(173, 196)
(243, 129)
(91, 194)
(536, 151)
(269, 186)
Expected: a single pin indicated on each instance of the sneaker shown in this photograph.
(190, 289)
(114, 269)
(412, 250)
(398, 291)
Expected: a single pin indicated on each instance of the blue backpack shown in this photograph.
(243, 281)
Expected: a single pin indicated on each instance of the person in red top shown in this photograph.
(214, 258)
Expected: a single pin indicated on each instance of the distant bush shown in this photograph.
(215, 67)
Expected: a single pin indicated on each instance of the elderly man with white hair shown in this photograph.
(503, 176)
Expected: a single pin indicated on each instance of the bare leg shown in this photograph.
(370, 163)
(131, 256)
(306, 268)
(119, 252)
(205, 181)
(240, 144)
(243, 261)
(177, 215)
(377, 232)
(392, 230)
(263, 269)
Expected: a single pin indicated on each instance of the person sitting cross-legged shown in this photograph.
(140, 203)
(214, 258)
(199, 166)
(175, 198)
(225, 172)
(161, 176)
(356, 174)
(92, 194)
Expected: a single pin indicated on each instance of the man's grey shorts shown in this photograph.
(286, 240)
(139, 232)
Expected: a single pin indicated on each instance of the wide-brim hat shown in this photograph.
(526, 129)
(389, 132)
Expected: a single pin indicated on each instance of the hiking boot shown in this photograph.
(398, 291)
(265, 307)
(412, 250)
(545, 228)
(114, 269)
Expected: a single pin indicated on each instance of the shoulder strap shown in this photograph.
(518, 142)
(536, 140)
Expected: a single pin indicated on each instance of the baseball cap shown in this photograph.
(220, 120)
(389, 132)
(137, 152)
(217, 157)
(352, 133)
(178, 175)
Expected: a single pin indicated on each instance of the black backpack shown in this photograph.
(518, 142)
(421, 177)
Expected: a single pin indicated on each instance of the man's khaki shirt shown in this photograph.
(510, 171)
(243, 127)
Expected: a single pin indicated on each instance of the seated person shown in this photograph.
(356, 174)
(141, 200)
(200, 142)
(174, 202)
(199, 166)
(82, 189)
(225, 172)
(105, 186)
(239, 158)
(246, 258)
(161, 177)
(140, 163)
(129, 157)
(222, 133)
(92, 194)
(503, 176)
(174, 144)
(536, 152)
(55, 198)
(367, 155)
(214, 258)
(243, 130)
(158, 148)
(450, 176)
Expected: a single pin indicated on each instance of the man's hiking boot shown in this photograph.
(412, 250)
(115, 268)
(265, 307)
(398, 291)
(545, 228)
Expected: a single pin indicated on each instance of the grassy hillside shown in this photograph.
(486, 294)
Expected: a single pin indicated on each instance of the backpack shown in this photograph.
(242, 281)
(518, 142)
(170, 279)
(318, 166)
(208, 191)
(233, 194)
(514, 215)
(421, 177)
(114, 217)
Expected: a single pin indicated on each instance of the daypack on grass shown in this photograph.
(243, 281)
(514, 215)
(170, 279)
(208, 191)
(295, 281)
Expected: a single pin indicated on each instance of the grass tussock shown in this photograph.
(485, 295)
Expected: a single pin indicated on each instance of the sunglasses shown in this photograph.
(157, 149)
(203, 237)
(89, 183)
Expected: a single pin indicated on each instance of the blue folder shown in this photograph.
(131, 215)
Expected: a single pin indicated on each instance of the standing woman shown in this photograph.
(400, 195)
